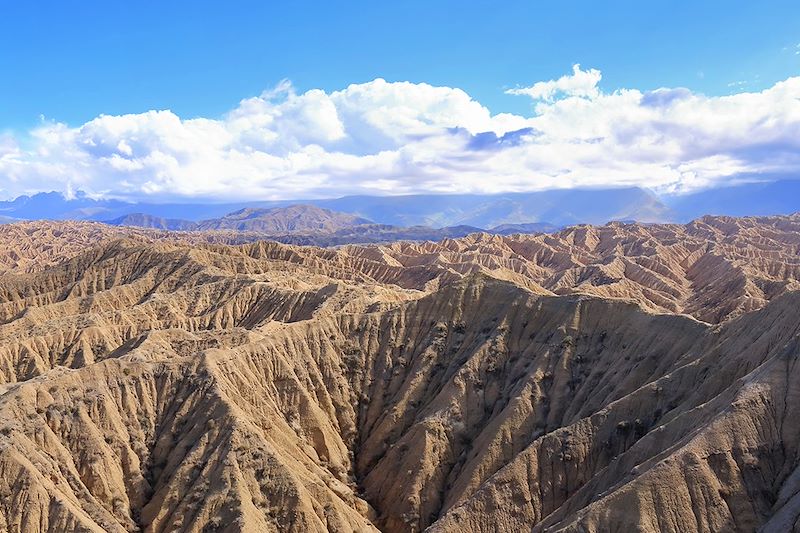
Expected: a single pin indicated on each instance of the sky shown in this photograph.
(205, 100)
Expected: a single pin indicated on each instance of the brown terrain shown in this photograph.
(315, 226)
(617, 378)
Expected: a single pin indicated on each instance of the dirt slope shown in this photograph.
(600, 379)
(714, 269)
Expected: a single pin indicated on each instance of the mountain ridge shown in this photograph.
(294, 218)
(304, 224)
(558, 207)
(585, 380)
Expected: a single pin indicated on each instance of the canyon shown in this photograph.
(625, 377)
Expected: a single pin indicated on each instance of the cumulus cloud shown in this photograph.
(388, 138)
(581, 83)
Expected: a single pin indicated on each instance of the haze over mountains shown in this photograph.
(615, 378)
(306, 224)
(275, 220)
(555, 207)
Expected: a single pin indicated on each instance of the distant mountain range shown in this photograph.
(559, 208)
(274, 220)
(556, 208)
(307, 224)
(143, 220)
(752, 199)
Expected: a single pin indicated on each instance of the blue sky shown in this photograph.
(71, 61)
(278, 100)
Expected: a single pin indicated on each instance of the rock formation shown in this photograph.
(616, 378)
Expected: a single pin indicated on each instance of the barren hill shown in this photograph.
(270, 221)
(615, 378)
(32, 246)
(291, 219)
(713, 268)
(308, 225)
(144, 220)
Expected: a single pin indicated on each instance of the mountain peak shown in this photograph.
(290, 219)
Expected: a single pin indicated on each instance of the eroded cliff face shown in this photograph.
(159, 385)
(714, 269)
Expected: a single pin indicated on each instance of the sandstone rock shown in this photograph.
(613, 378)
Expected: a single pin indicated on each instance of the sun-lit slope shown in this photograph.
(33, 246)
(164, 385)
(89, 306)
(477, 405)
(714, 269)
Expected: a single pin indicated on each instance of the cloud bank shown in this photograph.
(392, 138)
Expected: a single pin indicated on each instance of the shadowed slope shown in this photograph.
(160, 386)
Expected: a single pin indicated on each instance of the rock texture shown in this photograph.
(615, 378)
(32, 246)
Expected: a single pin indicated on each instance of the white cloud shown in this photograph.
(581, 83)
(383, 138)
